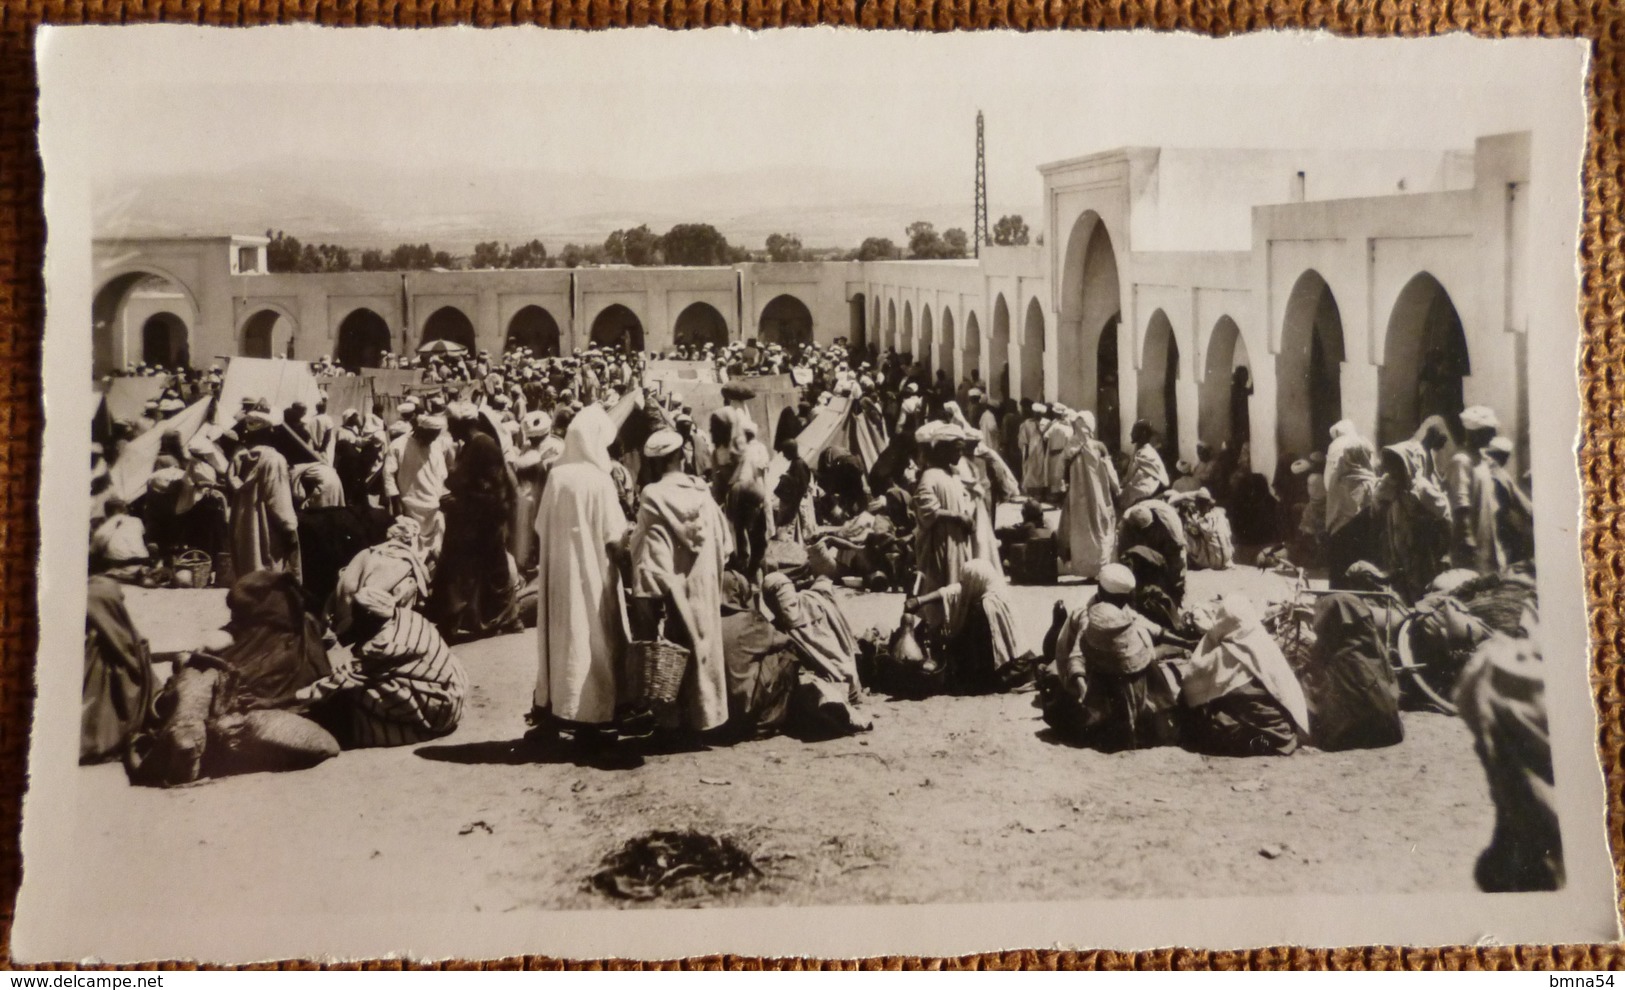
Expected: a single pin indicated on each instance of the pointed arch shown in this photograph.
(1309, 367)
(1424, 361)
(533, 327)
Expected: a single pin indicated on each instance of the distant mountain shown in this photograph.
(363, 206)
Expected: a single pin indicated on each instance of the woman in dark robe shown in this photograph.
(474, 587)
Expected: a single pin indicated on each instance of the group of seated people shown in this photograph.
(276, 688)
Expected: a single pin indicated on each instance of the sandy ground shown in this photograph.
(950, 799)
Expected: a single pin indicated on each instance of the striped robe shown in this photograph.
(405, 686)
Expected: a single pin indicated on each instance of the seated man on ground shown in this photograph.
(405, 685)
(394, 567)
(1133, 585)
(827, 683)
(1109, 690)
(977, 641)
(118, 547)
(1208, 538)
(1029, 549)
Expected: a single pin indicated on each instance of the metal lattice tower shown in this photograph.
(981, 189)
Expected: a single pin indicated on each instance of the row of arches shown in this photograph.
(364, 336)
(1422, 369)
(937, 350)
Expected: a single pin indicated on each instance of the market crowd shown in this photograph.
(680, 566)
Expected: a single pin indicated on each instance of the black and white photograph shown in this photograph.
(891, 493)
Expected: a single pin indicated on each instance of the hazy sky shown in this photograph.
(892, 113)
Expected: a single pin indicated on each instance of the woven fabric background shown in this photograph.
(1602, 247)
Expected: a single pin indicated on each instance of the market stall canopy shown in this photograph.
(276, 380)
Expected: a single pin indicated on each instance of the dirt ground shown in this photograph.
(947, 800)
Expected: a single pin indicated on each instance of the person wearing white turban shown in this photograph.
(405, 685)
(1476, 538)
(421, 467)
(680, 547)
(1030, 438)
(264, 523)
(945, 513)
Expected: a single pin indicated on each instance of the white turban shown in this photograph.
(662, 442)
(1479, 418)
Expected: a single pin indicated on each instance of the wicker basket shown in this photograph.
(198, 563)
(659, 666)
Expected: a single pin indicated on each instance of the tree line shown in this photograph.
(686, 244)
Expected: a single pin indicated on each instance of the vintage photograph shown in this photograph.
(538, 481)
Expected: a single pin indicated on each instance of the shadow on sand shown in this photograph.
(525, 752)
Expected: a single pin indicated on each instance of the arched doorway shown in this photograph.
(950, 343)
(1032, 353)
(1423, 363)
(267, 333)
(534, 328)
(618, 328)
(1108, 390)
(999, 353)
(700, 324)
(1090, 304)
(163, 341)
(1227, 384)
(119, 313)
(1309, 368)
(907, 343)
(891, 324)
(1158, 403)
(973, 353)
(928, 342)
(787, 322)
(450, 324)
(363, 340)
(858, 333)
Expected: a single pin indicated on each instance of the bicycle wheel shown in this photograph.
(1431, 683)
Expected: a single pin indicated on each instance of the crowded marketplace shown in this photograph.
(679, 537)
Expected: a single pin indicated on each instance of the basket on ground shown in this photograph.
(197, 564)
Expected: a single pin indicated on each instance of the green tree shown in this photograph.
(442, 259)
(955, 244)
(784, 247)
(923, 240)
(414, 257)
(641, 246)
(372, 260)
(695, 244)
(282, 254)
(489, 254)
(875, 249)
(1011, 231)
(614, 249)
(529, 255)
